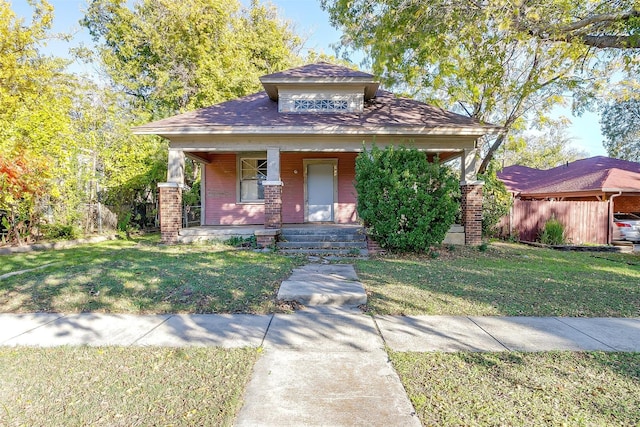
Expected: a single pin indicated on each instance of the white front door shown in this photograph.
(320, 191)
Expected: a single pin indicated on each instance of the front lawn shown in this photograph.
(142, 276)
(524, 389)
(118, 386)
(506, 279)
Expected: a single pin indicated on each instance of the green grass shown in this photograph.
(524, 389)
(506, 279)
(119, 386)
(142, 276)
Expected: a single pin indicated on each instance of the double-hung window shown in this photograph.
(252, 172)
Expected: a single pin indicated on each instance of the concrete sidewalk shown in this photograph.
(400, 333)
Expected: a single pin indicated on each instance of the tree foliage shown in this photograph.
(496, 200)
(404, 201)
(173, 56)
(23, 181)
(499, 62)
(620, 124)
(39, 150)
(544, 149)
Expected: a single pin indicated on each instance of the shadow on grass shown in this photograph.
(127, 277)
(507, 280)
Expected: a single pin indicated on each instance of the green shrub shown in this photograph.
(553, 232)
(242, 242)
(60, 231)
(404, 200)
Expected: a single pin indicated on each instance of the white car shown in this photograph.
(626, 226)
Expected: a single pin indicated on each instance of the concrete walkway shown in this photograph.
(327, 364)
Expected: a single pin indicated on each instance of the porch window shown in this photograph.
(252, 172)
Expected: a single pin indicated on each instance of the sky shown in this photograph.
(311, 23)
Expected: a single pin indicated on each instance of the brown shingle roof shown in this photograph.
(319, 70)
(257, 112)
(595, 174)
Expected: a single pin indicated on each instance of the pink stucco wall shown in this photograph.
(221, 198)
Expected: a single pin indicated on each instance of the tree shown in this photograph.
(173, 56)
(545, 149)
(36, 133)
(163, 57)
(620, 124)
(488, 59)
(23, 180)
(124, 168)
(404, 200)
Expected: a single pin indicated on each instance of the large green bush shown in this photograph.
(404, 200)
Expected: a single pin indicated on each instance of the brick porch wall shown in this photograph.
(170, 212)
(472, 213)
(273, 206)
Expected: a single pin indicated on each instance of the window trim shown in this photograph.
(239, 159)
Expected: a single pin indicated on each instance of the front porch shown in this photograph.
(283, 197)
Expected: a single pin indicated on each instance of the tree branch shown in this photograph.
(615, 42)
(598, 19)
(586, 30)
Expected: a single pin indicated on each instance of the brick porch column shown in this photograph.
(272, 204)
(472, 212)
(170, 211)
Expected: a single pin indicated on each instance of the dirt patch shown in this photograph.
(284, 306)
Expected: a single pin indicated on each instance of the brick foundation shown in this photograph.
(273, 206)
(170, 212)
(267, 238)
(472, 213)
(373, 247)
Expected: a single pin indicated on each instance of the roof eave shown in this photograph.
(313, 130)
(576, 193)
(621, 190)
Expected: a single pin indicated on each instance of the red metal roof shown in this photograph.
(595, 174)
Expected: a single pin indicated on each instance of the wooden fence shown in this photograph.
(584, 222)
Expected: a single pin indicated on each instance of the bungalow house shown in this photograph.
(584, 194)
(286, 155)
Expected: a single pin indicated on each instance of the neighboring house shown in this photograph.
(287, 154)
(583, 194)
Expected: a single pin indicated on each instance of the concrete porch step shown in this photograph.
(323, 240)
(326, 252)
(323, 230)
(322, 245)
(322, 237)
